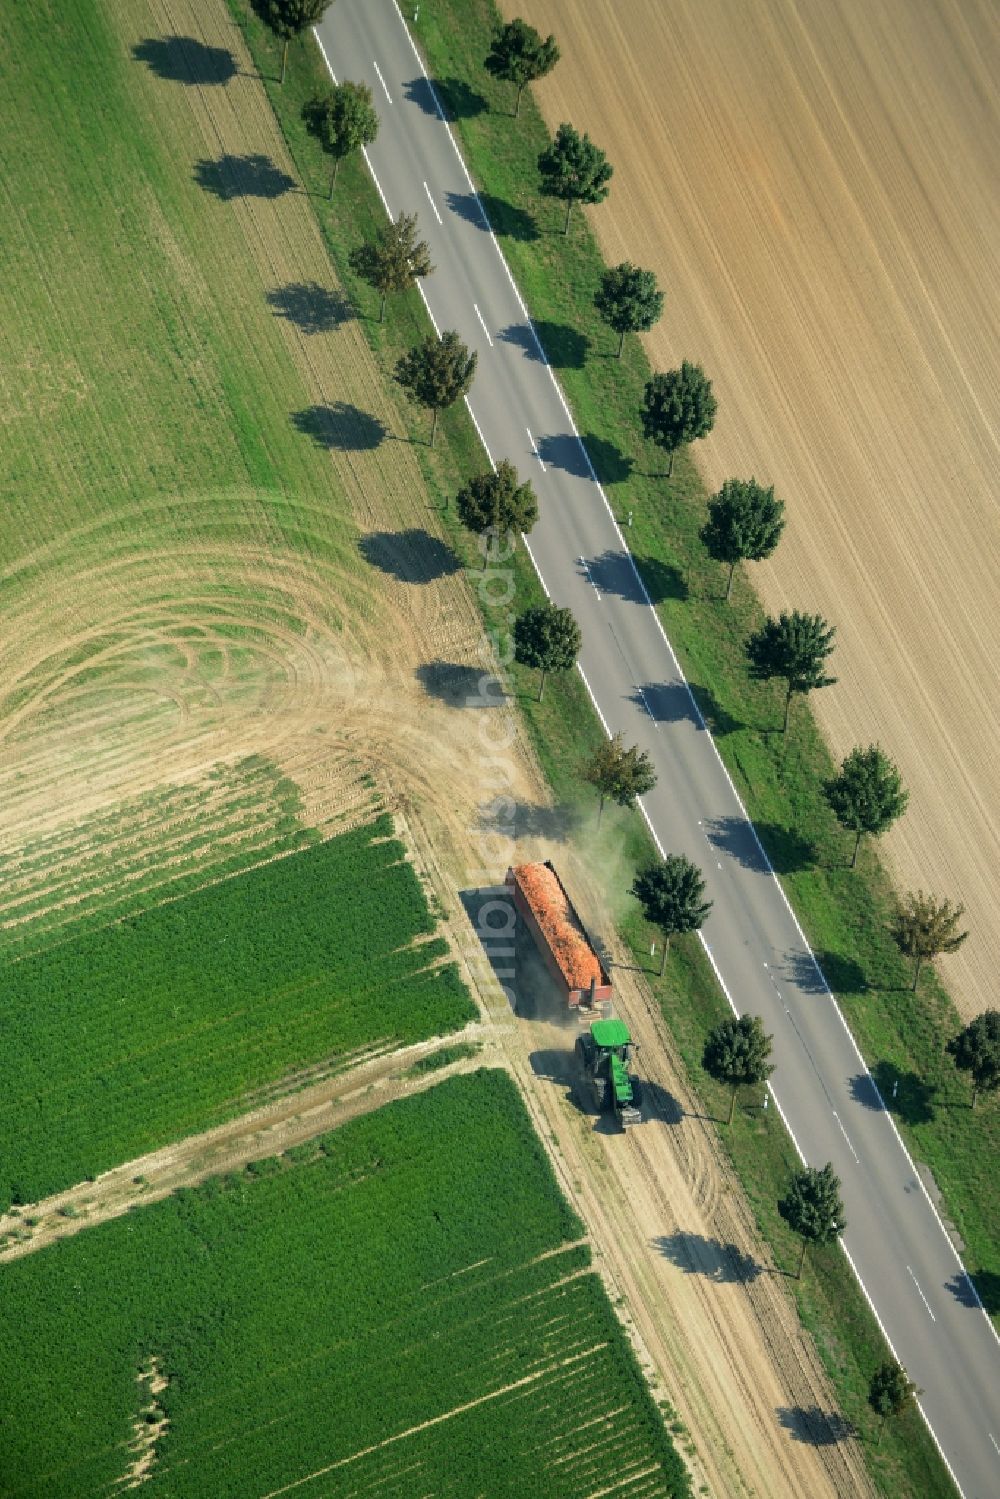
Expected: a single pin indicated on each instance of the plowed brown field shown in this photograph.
(815, 183)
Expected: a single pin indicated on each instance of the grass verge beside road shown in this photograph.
(605, 396)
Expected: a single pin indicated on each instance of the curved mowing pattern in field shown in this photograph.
(402, 1312)
(142, 1032)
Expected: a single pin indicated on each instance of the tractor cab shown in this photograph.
(604, 1055)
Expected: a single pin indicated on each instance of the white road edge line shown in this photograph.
(482, 324)
(697, 710)
(536, 453)
(993, 1440)
(920, 1293)
(381, 79)
(433, 204)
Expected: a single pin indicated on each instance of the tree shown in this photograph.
(867, 796)
(744, 524)
(628, 300)
(623, 774)
(678, 408)
(518, 55)
(393, 259)
(671, 894)
(924, 926)
(575, 169)
(548, 639)
(736, 1054)
(288, 18)
(497, 502)
(812, 1207)
(436, 372)
(890, 1392)
(794, 648)
(341, 118)
(976, 1050)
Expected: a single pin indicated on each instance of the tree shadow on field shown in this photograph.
(718, 719)
(182, 59)
(565, 348)
(340, 425)
(457, 99)
(657, 1102)
(311, 307)
(413, 556)
(506, 220)
(459, 685)
(530, 820)
(611, 465)
(987, 1285)
(807, 1423)
(254, 176)
(726, 1264)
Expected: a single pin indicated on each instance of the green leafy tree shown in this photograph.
(619, 773)
(672, 895)
(342, 118)
(924, 926)
(497, 503)
(890, 1392)
(518, 55)
(812, 1207)
(548, 639)
(678, 407)
(744, 524)
(976, 1050)
(436, 373)
(867, 796)
(793, 647)
(628, 300)
(393, 259)
(574, 169)
(288, 18)
(736, 1054)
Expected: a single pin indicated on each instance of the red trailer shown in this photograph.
(559, 934)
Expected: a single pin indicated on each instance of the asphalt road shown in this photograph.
(898, 1247)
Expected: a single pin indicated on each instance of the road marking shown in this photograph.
(482, 322)
(923, 1298)
(993, 1440)
(381, 79)
(847, 1137)
(583, 564)
(534, 449)
(433, 204)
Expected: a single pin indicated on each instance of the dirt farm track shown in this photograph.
(816, 184)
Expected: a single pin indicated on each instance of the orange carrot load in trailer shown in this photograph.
(559, 934)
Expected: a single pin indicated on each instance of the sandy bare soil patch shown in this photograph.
(816, 187)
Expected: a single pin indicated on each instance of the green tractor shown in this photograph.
(604, 1055)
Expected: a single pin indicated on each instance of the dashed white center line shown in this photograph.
(850, 1147)
(381, 79)
(993, 1440)
(583, 564)
(482, 323)
(433, 204)
(534, 449)
(920, 1293)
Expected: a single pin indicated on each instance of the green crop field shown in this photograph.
(140, 1032)
(405, 1308)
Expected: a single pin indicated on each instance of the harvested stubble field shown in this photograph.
(815, 186)
(401, 1307)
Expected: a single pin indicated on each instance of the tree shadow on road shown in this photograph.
(253, 176)
(311, 307)
(565, 348)
(807, 1423)
(904, 1094)
(340, 425)
(183, 59)
(458, 100)
(506, 220)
